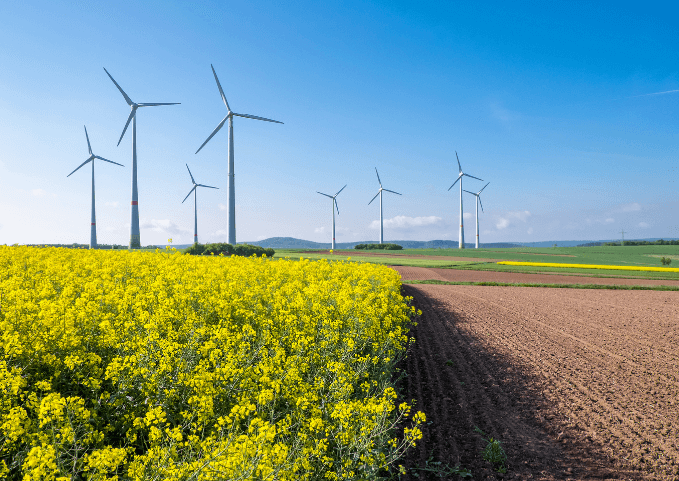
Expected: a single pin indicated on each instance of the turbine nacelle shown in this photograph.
(92, 156)
(462, 174)
(381, 188)
(195, 185)
(230, 114)
(133, 105)
(334, 197)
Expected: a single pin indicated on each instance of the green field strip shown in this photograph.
(597, 273)
(616, 287)
(592, 266)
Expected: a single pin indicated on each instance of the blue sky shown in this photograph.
(546, 101)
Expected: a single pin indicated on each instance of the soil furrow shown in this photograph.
(569, 388)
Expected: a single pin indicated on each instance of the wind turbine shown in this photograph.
(93, 226)
(195, 204)
(379, 192)
(478, 198)
(232, 195)
(135, 240)
(459, 177)
(334, 206)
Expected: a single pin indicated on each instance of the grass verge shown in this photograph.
(557, 286)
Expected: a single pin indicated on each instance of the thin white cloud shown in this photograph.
(404, 222)
(223, 206)
(633, 207)
(609, 220)
(111, 204)
(502, 223)
(643, 225)
(319, 230)
(467, 215)
(509, 218)
(38, 192)
(654, 93)
(164, 225)
(530, 230)
(503, 114)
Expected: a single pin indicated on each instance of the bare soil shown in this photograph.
(456, 275)
(576, 384)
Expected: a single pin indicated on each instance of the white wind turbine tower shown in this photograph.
(93, 225)
(231, 186)
(195, 204)
(334, 206)
(459, 177)
(478, 199)
(135, 240)
(379, 192)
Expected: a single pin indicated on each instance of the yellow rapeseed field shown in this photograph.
(142, 365)
(591, 266)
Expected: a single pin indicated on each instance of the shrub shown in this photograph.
(244, 250)
(389, 247)
(666, 261)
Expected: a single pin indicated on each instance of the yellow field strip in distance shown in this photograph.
(591, 266)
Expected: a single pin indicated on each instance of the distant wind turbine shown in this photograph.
(135, 240)
(231, 186)
(478, 198)
(93, 225)
(379, 192)
(195, 204)
(334, 206)
(459, 177)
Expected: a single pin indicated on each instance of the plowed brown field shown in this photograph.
(577, 384)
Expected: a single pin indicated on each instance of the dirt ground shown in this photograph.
(456, 275)
(576, 384)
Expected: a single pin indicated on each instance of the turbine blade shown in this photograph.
(221, 124)
(387, 190)
(89, 147)
(221, 92)
(208, 186)
(479, 197)
(473, 177)
(458, 162)
(127, 99)
(106, 160)
(187, 195)
(256, 118)
(472, 193)
(458, 178)
(91, 157)
(378, 177)
(187, 168)
(336, 207)
(325, 194)
(483, 187)
(153, 105)
(340, 190)
(132, 114)
(373, 198)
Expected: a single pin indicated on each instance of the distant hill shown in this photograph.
(294, 243)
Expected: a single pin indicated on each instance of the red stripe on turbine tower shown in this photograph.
(134, 202)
